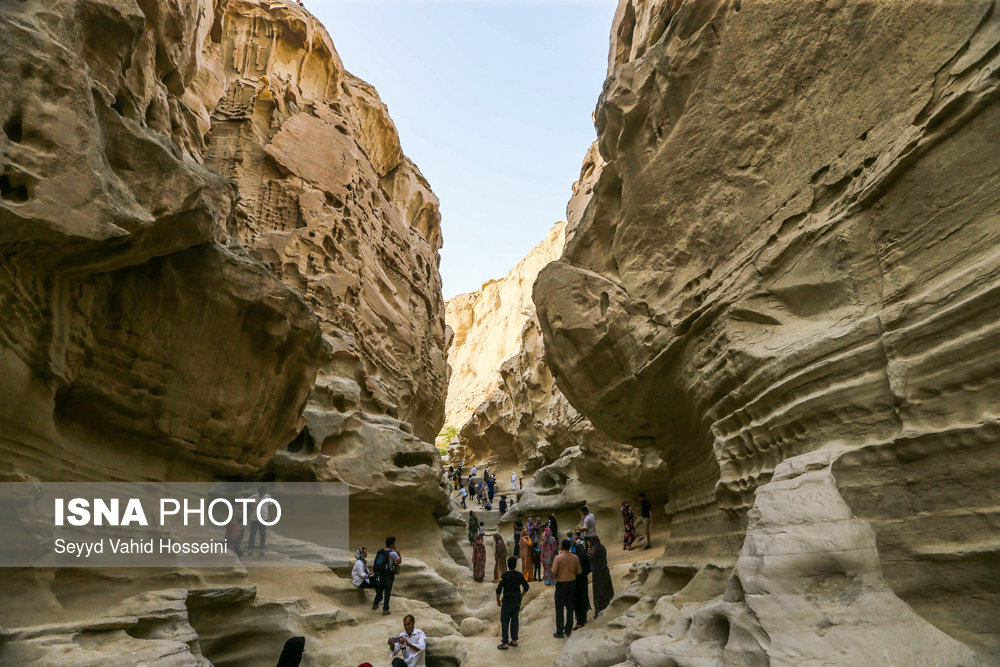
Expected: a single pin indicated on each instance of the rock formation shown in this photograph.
(487, 327)
(215, 261)
(791, 252)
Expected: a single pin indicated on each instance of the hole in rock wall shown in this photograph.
(412, 459)
(303, 442)
(717, 630)
(13, 128)
(12, 190)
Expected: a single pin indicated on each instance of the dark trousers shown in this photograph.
(509, 620)
(383, 586)
(398, 662)
(255, 528)
(565, 602)
(367, 583)
(581, 601)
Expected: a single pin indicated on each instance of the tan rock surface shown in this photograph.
(791, 248)
(214, 261)
(487, 328)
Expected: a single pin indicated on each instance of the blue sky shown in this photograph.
(492, 101)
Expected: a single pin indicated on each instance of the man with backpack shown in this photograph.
(386, 566)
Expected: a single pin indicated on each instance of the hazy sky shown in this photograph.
(492, 101)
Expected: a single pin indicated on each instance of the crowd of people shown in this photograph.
(575, 565)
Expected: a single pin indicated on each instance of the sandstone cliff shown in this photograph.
(208, 226)
(215, 261)
(791, 251)
(487, 327)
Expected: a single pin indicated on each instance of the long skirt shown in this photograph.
(478, 560)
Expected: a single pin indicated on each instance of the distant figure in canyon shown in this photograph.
(604, 590)
(473, 470)
(513, 481)
(462, 493)
(499, 556)
(509, 592)
(256, 527)
(473, 527)
(503, 508)
(550, 546)
(645, 522)
(588, 524)
(478, 558)
(629, 519)
(581, 599)
(524, 543)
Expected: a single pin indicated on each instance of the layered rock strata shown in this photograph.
(215, 262)
(791, 249)
(487, 325)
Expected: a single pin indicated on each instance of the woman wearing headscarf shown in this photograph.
(478, 558)
(554, 525)
(550, 547)
(473, 526)
(604, 590)
(525, 544)
(629, 520)
(499, 557)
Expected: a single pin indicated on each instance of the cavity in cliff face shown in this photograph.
(789, 264)
(216, 258)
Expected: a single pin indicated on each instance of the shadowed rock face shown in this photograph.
(213, 249)
(792, 247)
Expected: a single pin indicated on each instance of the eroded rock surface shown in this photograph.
(791, 248)
(487, 327)
(215, 261)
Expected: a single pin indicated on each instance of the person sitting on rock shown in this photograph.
(361, 576)
(409, 647)
(503, 505)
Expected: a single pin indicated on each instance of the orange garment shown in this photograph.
(526, 568)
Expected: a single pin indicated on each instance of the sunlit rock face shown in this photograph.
(487, 327)
(792, 249)
(216, 258)
(332, 206)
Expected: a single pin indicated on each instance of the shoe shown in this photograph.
(577, 626)
(374, 606)
(513, 642)
(559, 635)
(385, 612)
(502, 647)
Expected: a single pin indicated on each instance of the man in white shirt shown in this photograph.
(409, 648)
(588, 525)
(360, 576)
(513, 481)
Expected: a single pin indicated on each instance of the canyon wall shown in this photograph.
(487, 326)
(217, 259)
(789, 263)
(215, 263)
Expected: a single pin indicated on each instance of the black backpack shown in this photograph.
(383, 563)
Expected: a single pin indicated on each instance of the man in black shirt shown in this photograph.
(511, 583)
(645, 519)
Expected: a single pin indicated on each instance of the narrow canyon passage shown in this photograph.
(772, 306)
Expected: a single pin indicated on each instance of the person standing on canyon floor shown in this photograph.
(386, 566)
(645, 522)
(588, 524)
(510, 588)
(513, 481)
(565, 569)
